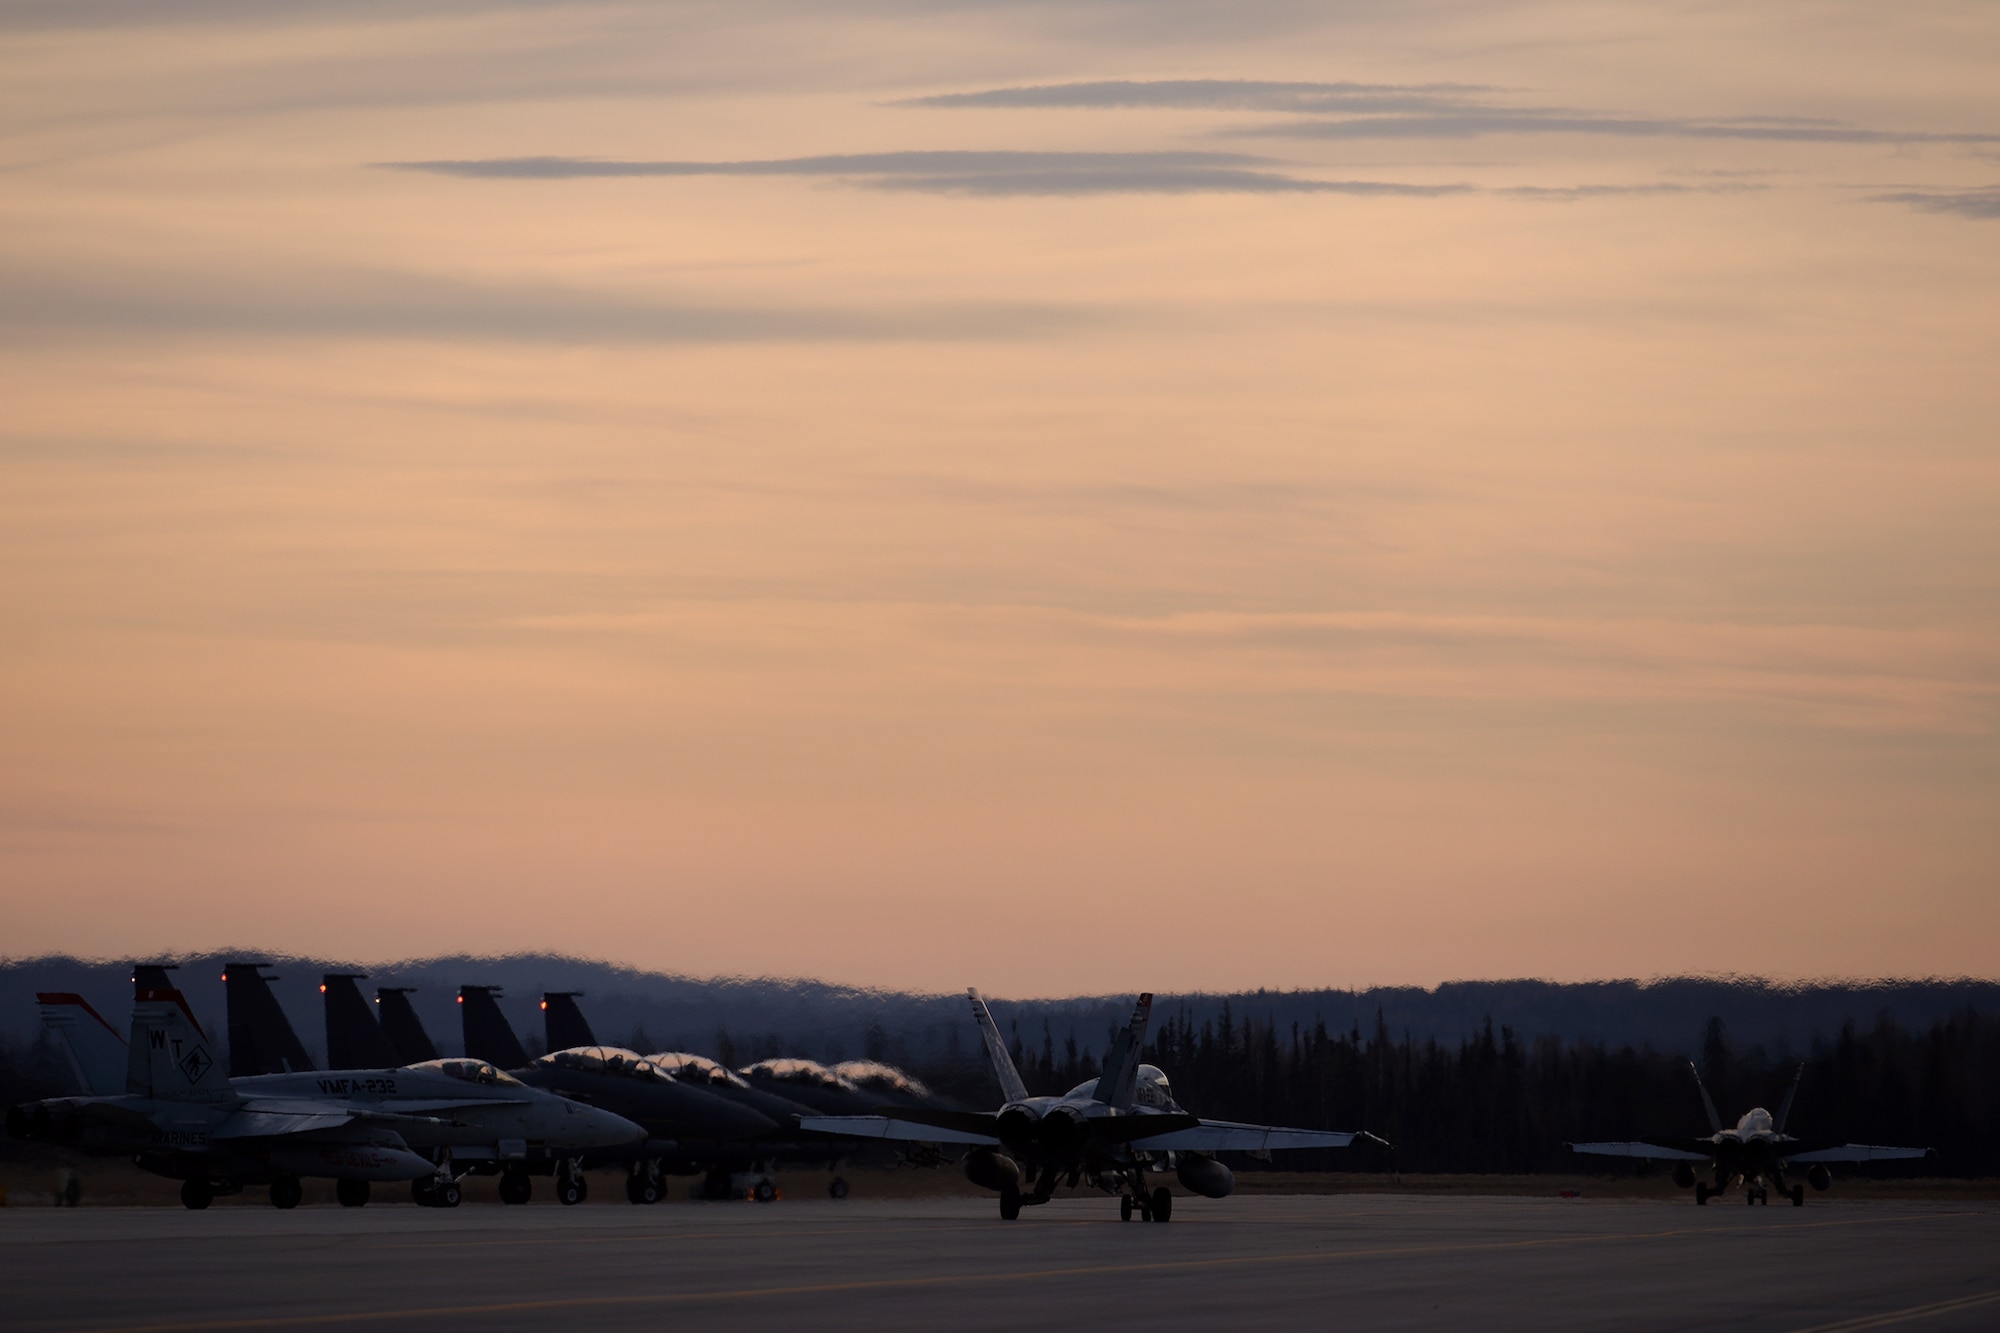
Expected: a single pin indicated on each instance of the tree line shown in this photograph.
(1496, 1103)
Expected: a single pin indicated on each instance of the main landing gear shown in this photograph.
(435, 1192)
(196, 1194)
(645, 1184)
(286, 1192)
(1155, 1207)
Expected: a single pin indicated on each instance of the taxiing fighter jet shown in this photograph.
(1757, 1152)
(178, 1116)
(1108, 1132)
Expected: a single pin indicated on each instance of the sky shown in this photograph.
(1057, 497)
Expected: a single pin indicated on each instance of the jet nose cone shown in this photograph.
(593, 1127)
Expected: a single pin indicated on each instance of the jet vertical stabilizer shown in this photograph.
(488, 1035)
(563, 1023)
(97, 1054)
(171, 1057)
(354, 1040)
(1120, 1080)
(1011, 1086)
(402, 1027)
(261, 1040)
(1708, 1102)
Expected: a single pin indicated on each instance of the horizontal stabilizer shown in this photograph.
(1652, 1151)
(1862, 1152)
(1225, 1136)
(886, 1127)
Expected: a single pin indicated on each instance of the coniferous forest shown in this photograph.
(1493, 1103)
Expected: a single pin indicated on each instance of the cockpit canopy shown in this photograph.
(697, 1069)
(471, 1071)
(790, 1069)
(878, 1077)
(1153, 1088)
(603, 1060)
(1755, 1121)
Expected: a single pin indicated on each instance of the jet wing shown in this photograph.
(1859, 1152)
(1228, 1136)
(887, 1127)
(248, 1124)
(1658, 1152)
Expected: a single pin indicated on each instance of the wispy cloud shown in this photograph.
(963, 172)
(372, 304)
(1982, 203)
(1213, 94)
(1420, 111)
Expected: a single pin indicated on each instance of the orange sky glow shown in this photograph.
(1062, 497)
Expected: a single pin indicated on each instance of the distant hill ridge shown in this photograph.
(747, 1018)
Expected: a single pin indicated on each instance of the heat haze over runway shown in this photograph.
(1369, 1261)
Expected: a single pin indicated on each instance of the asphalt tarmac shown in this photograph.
(1312, 1262)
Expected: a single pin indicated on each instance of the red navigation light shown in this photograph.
(461, 999)
(322, 988)
(545, 1004)
(225, 976)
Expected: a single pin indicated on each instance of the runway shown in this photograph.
(1353, 1261)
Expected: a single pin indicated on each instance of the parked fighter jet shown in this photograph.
(1757, 1152)
(261, 1040)
(354, 1040)
(402, 1027)
(1109, 1131)
(685, 1126)
(179, 1117)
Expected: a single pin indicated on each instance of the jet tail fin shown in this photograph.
(563, 1023)
(169, 1054)
(354, 1040)
(98, 1056)
(1707, 1102)
(1785, 1108)
(488, 1034)
(1120, 1079)
(1011, 1086)
(402, 1027)
(261, 1039)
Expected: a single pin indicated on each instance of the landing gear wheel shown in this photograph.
(1163, 1205)
(642, 1188)
(286, 1192)
(447, 1194)
(351, 1193)
(765, 1192)
(516, 1188)
(1700, 1193)
(571, 1190)
(1125, 1209)
(1798, 1196)
(838, 1189)
(1010, 1202)
(196, 1194)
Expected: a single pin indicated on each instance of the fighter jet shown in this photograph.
(1757, 1152)
(685, 1125)
(1109, 1131)
(178, 1116)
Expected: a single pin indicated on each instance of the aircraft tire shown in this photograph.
(643, 1188)
(448, 1194)
(1010, 1202)
(351, 1193)
(196, 1194)
(516, 1188)
(838, 1189)
(571, 1190)
(1700, 1194)
(1163, 1205)
(286, 1192)
(1125, 1208)
(421, 1191)
(1798, 1196)
(765, 1192)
